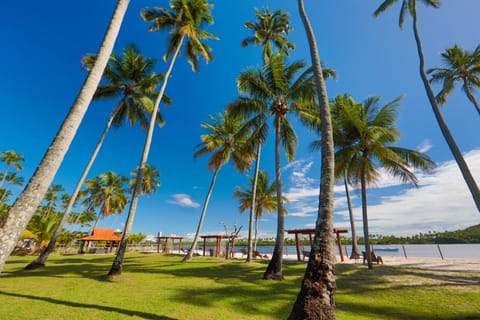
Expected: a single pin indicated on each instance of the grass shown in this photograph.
(157, 286)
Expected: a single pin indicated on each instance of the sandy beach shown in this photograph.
(452, 264)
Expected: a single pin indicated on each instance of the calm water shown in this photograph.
(411, 250)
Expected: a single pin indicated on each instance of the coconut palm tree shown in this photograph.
(316, 298)
(11, 159)
(150, 180)
(184, 21)
(226, 141)
(12, 179)
(270, 30)
(265, 199)
(372, 133)
(51, 198)
(276, 90)
(26, 204)
(410, 7)
(459, 66)
(130, 77)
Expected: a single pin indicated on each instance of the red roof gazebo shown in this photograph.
(108, 235)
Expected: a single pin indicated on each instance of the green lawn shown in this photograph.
(156, 286)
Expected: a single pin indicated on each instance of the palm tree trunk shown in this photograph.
(467, 175)
(252, 207)
(42, 258)
(116, 268)
(189, 254)
(366, 236)
(274, 268)
(470, 96)
(256, 233)
(4, 177)
(316, 299)
(355, 252)
(28, 201)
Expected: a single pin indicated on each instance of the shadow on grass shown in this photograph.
(84, 306)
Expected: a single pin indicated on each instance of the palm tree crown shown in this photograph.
(150, 179)
(270, 29)
(407, 5)
(183, 21)
(459, 66)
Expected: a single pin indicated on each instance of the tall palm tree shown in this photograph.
(51, 198)
(130, 77)
(11, 159)
(410, 6)
(316, 298)
(276, 91)
(26, 204)
(372, 133)
(265, 199)
(226, 141)
(459, 66)
(270, 30)
(150, 179)
(184, 22)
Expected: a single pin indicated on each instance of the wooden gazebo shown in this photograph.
(165, 240)
(218, 238)
(310, 233)
(107, 235)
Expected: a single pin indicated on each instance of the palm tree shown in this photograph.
(150, 180)
(269, 30)
(265, 199)
(459, 65)
(226, 140)
(372, 133)
(316, 298)
(51, 198)
(277, 91)
(11, 159)
(130, 77)
(28, 201)
(410, 6)
(107, 192)
(183, 21)
(13, 179)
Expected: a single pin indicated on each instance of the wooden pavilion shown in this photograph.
(310, 233)
(108, 235)
(164, 244)
(218, 239)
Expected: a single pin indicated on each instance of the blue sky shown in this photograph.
(41, 75)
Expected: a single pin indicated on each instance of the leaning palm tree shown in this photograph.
(459, 66)
(372, 133)
(184, 22)
(410, 7)
(276, 90)
(265, 199)
(316, 299)
(28, 201)
(130, 78)
(11, 159)
(270, 30)
(226, 141)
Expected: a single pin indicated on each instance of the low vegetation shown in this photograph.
(157, 286)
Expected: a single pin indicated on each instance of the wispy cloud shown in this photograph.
(183, 200)
(425, 146)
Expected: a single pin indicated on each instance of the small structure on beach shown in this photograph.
(310, 233)
(108, 235)
(218, 239)
(162, 243)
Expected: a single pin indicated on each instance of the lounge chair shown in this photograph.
(375, 258)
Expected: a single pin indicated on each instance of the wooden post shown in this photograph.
(339, 243)
(298, 246)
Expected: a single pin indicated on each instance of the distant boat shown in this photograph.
(387, 249)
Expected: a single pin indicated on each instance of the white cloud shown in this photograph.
(424, 146)
(183, 200)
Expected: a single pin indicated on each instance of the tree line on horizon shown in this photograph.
(360, 136)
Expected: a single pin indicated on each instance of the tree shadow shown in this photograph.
(83, 306)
